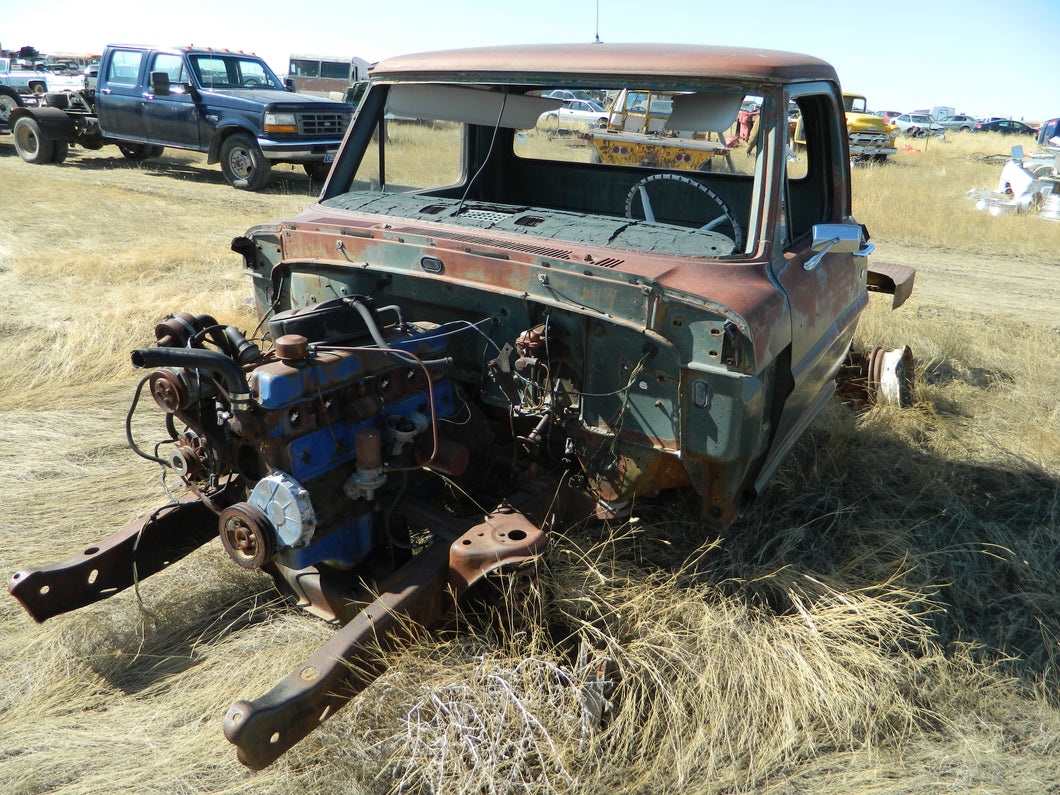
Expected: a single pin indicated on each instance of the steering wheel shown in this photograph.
(720, 215)
(251, 82)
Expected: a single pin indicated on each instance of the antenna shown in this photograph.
(597, 21)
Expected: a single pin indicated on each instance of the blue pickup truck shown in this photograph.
(228, 104)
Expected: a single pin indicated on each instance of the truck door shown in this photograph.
(171, 119)
(119, 94)
(825, 287)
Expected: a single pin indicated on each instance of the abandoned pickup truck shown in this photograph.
(228, 104)
(22, 80)
(479, 330)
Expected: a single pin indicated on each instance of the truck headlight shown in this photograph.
(894, 132)
(280, 123)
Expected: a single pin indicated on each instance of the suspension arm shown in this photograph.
(140, 549)
(416, 596)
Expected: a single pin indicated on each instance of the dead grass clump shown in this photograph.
(648, 681)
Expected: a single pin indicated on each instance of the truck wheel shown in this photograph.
(60, 149)
(140, 152)
(9, 100)
(32, 145)
(243, 164)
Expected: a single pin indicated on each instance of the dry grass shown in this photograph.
(885, 619)
(899, 205)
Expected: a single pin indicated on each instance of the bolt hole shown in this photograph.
(466, 542)
(45, 589)
(92, 550)
(517, 535)
(92, 575)
(275, 738)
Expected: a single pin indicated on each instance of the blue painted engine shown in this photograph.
(298, 443)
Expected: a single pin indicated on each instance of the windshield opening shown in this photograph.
(673, 171)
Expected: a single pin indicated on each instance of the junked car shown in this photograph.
(575, 113)
(959, 122)
(1005, 127)
(917, 125)
(480, 330)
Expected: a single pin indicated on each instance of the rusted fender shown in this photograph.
(416, 596)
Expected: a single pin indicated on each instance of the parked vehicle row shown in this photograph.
(918, 123)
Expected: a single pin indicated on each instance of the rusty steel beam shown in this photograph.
(416, 596)
(140, 549)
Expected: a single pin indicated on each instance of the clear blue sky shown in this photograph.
(994, 57)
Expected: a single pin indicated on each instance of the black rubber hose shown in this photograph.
(199, 359)
(244, 351)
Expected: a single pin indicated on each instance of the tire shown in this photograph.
(60, 149)
(140, 152)
(32, 145)
(318, 172)
(9, 100)
(243, 164)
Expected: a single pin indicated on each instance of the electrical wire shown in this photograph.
(128, 425)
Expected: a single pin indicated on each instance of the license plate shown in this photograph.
(329, 157)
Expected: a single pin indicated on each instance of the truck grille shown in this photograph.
(330, 125)
(869, 139)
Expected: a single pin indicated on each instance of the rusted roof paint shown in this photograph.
(546, 60)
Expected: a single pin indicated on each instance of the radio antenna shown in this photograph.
(597, 21)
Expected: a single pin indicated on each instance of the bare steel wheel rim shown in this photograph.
(241, 162)
(27, 139)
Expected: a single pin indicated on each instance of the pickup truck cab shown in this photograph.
(477, 312)
(228, 104)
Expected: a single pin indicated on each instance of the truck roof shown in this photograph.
(181, 48)
(552, 61)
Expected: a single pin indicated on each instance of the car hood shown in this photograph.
(866, 121)
(250, 98)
